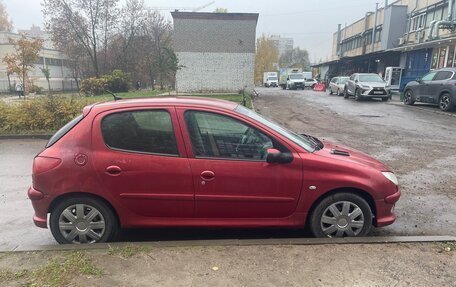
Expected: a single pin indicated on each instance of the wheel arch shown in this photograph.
(363, 194)
(65, 196)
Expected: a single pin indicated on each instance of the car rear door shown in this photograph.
(437, 84)
(422, 90)
(141, 161)
(230, 174)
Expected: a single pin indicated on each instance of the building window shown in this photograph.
(442, 57)
(450, 58)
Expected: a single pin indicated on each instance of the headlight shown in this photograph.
(390, 176)
(365, 87)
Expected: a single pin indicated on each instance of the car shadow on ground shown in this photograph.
(176, 234)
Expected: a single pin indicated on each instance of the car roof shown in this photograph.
(166, 101)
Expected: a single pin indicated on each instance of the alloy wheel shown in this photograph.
(444, 102)
(342, 218)
(82, 223)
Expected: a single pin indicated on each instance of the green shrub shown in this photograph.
(118, 81)
(35, 89)
(93, 86)
(40, 115)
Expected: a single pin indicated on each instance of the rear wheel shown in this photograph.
(408, 98)
(330, 91)
(83, 220)
(345, 93)
(341, 215)
(446, 102)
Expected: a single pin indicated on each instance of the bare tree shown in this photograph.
(295, 58)
(86, 24)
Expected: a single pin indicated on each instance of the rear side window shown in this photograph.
(66, 128)
(145, 131)
(443, 75)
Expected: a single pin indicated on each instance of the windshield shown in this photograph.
(343, 80)
(304, 142)
(370, 78)
(272, 78)
(296, 76)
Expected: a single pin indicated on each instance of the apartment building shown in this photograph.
(416, 35)
(60, 75)
(283, 44)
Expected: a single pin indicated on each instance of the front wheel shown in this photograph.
(346, 93)
(83, 220)
(408, 98)
(341, 215)
(358, 95)
(446, 102)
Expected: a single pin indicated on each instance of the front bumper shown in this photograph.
(40, 203)
(375, 93)
(385, 209)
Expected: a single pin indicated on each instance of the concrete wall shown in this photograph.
(214, 72)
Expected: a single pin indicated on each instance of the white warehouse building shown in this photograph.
(216, 51)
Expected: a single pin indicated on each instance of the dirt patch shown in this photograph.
(321, 265)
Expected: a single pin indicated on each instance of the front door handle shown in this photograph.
(113, 170)
(207, 175)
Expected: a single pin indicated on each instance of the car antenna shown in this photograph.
(114, 95)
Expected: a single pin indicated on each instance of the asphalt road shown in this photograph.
(416, 142)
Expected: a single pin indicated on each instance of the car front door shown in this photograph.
(422, 91)
(351, 85)
(230, 173)
(141, 161)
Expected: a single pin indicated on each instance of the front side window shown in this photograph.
(429, 76)
(146, 131)
(219, 136)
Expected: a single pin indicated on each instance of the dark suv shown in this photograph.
(366, 86)
(436, 87)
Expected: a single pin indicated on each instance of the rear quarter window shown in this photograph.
(64, 130)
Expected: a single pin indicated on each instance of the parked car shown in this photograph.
(164, 162)
(436, 87)
(366, 86)
(337, 85)
(310, 83)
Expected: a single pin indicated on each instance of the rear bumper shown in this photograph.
(385, 209)
(40, 203)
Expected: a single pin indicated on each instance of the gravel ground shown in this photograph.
(417, 143)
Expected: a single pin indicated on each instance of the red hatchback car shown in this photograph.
(168, 162)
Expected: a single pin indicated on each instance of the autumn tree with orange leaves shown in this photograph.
(266, 58)
(23, 59)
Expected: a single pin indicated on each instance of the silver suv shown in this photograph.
(366, 86)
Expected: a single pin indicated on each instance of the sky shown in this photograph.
(310, 23)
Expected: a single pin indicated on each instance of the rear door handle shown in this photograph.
(113, 170)
(207, 175)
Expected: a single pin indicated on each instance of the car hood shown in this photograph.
(350, 155)
(374, 84)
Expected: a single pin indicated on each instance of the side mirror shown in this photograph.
(275, 156)
(356, 81)
(418, 80)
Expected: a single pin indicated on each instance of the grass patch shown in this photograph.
(58, 273)
(128, 250)
(449, 246)
(7, 276)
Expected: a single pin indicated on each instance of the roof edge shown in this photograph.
(215, 16)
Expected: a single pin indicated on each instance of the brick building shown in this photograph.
(216, 51)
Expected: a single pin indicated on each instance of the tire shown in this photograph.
(354, 216)
(330, 91)
(104, 221)
(358, 95)
(385, 99)
(408, 98)
(446, 102)
(346, 93)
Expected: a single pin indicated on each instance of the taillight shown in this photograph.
(42, 164)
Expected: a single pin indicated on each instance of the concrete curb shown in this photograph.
(240, 242)
(19, 136)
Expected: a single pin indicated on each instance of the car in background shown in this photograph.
(436, 87)
(198, 162)
(310, 83)
(366, 86)
(337, 85)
